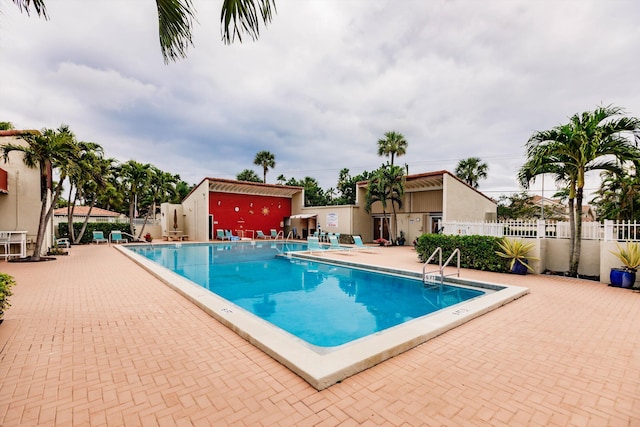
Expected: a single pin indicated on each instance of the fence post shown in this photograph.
(541, 229)
(608, 230)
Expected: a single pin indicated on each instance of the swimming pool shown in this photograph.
(323, 304)
(320, 366)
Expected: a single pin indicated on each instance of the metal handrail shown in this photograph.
(279, 233)
(441, 266)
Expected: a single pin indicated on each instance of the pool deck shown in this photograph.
(93, 339)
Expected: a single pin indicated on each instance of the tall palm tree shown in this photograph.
(100, 171)
(267, 160)
(175, 21)
(80, 175)
(386, 185)
(48, 150)
(472, 170)
(394, 144)
(135, 179)
(594, 140)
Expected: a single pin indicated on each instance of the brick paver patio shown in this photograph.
(92, 339)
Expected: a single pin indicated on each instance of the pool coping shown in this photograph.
(324, 370)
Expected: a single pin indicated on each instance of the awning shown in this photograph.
(303, 216)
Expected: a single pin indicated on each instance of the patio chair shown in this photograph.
(98, 237)
(357, 240)
(261, 235)
(116, 237)
(4, 243)
(63, 243)
(220, 234)
(229, 235)
(274, 233)
(313, 245)
(335, 244)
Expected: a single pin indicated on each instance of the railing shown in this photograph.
(543, 229)
(280, 234)
(426, 275)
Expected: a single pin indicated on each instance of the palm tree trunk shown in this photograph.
(575, 256)
(84, 224)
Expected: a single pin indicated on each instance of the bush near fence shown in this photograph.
(476, 252)
(87, 237)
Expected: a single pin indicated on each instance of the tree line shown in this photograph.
(92, 179)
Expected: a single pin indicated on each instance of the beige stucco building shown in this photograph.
(20, 192)
(430, 198)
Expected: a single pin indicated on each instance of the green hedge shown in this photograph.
(476, 252)
(87, 237)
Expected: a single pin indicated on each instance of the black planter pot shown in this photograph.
(622, 278)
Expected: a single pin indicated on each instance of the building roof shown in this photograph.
(429, 181)
(84, 210)
(255, 188)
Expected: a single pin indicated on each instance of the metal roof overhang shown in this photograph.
(413, 183)
(240, 187)
(303, 216)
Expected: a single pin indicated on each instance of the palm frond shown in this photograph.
(245, 16)
(175, 18)
(38, 5)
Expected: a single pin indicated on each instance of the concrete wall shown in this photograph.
(20, 209)
(554, 254)
(194, 214)
(461, 203)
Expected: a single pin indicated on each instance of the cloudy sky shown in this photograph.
(325, 81)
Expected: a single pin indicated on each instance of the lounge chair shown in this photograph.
(229, 235)
(261, 235)
(274, 233)
(116, 237)
(357, 240)
(335, 244)
(98, 237)
(63, 243)
(313, 245)
(220, 234)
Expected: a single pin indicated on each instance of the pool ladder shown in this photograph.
(427, 276)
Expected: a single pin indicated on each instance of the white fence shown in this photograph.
(608, 231)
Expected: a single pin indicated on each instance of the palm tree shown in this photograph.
(266, 160)
(135, 179)
(471, 170)
(617, 198)
(100, 171)
(392, 145)
(594, 140)
(248, 175)
(175, 20)
(48, 151)
(81, 175)
(386, 185)
(6, 126)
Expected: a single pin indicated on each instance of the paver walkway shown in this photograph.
(92, 339)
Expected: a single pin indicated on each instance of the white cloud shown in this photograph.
(327, 78)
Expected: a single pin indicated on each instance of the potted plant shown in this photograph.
(148, 237)
(516, 251)
(6, 282)
(625, 277)
(401, 239)
(382, 241)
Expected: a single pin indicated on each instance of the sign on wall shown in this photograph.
(332, 219)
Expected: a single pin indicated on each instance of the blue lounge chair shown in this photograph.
(274, 233)
(98, 237)
(313, 245)
(221, 235)
(261, 235)
(229, 235)
(335, 244)
(361, 246)
(116, 237)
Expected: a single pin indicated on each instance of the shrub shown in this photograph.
(6, 283)
(87, 237)
(476, 252)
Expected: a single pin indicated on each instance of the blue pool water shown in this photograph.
(324, 304)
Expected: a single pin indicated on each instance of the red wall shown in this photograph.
(254, 212)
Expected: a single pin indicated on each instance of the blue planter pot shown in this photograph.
(519, 268)
(622, 278)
